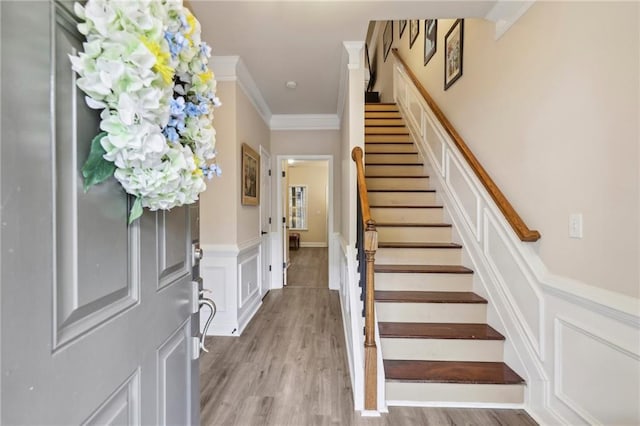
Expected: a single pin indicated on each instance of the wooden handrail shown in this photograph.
(514, 219)
(358, 157)
(370, 245)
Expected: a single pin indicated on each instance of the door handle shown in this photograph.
(263, 233)
(205, 301)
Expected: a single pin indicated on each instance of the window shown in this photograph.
(298, 207)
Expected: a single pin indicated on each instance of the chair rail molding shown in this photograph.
(545, 318)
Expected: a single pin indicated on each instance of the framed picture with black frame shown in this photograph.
(402, 24)
(453, 50)
(387, 39)
(430, 39)
(414, 30)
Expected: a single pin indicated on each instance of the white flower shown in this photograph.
(124, 71)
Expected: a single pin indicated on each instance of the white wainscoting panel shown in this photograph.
(524, 296)
(595, 377)
(231, 274)
(249, 300)
(464, 193)
(435, 145)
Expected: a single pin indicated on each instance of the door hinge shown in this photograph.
(284, 220)
(284, 174)
(284, 265)
(269, 172)
(269, 268)
(269, 221)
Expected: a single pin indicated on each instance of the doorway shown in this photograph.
(305, 210)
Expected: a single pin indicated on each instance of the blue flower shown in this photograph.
(191, 110)
(171, 134)
(176, 107)
(211, 170)
(205, 50)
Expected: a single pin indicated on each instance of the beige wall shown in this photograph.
(252, 130)
(314, 175)
(551, 110)
(223, 219)
(311, 142)
(218, 224)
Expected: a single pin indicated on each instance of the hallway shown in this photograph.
(289, 367)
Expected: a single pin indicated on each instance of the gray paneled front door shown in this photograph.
(96, 317)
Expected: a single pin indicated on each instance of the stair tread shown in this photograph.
(394, 164)
(400, 190)
(428, 297)
(422, 330)
(419, 245)
(393, 206)
(470, 372)
(423, 269)
(413, 225)
(392, 153)
(394, 143)
(397, 177)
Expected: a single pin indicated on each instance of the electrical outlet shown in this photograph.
(575, 225)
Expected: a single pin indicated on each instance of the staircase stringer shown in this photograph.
(503, 312)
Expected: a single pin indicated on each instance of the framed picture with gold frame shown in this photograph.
(250, 185)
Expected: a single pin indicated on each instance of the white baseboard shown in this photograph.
(314, 244)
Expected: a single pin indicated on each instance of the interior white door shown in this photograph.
(265, 220)
(97, 324)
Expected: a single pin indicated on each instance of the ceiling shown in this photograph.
(302, 40)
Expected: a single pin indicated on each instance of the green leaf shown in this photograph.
(136, 210)
(96, 169)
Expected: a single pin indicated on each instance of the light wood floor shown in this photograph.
(289, 367)
(308, 268)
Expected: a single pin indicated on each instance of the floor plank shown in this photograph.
(289, 367)
(309, 268)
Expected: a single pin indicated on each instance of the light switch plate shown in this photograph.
(575, 225)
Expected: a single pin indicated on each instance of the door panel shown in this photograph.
(91, 285)
(173, 378)
(96, 315)
(122, 407)
(172, 252)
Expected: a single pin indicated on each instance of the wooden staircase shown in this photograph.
(436, 345)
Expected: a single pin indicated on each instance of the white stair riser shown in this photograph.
(385, 130)
(423, 282)
(387, 138)
(385, 121)
(377, 170)
(380, 107)
(399, 392)
(401, 198)
(443, 349)
(389, 147)
(391, 158)
(381, 114)
(395, 215)
(473, 313)
(398, 183)
(419, 256)
(414, 234)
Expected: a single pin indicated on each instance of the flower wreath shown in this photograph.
(145, 65)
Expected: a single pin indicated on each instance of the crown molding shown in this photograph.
(505, 13)
(304, 122)
(232, 68)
